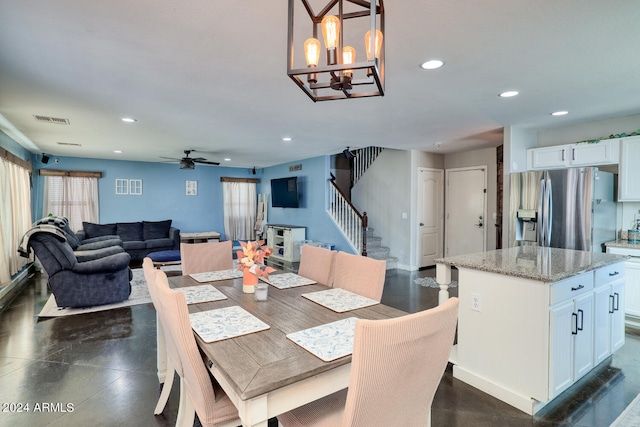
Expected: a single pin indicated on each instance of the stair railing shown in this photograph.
(353, 223)
(363, 158)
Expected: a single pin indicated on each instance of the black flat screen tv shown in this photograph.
(284, 192)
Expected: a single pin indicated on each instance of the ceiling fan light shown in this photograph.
(187, 164)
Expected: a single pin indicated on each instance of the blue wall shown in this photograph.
(14, 148)
(312, 213)
(163, 194)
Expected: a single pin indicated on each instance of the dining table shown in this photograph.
(265, 373)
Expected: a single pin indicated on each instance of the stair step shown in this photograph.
(373, 242)
(380, 252)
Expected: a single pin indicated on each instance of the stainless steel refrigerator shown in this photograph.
(571, 208)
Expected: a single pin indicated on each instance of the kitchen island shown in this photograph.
(532, 320)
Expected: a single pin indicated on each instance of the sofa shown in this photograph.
(138, 238)
(80, 284)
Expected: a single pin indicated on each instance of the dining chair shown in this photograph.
(150, 277)
(396, 367)
(197, 391)
(359, 274)
(317, 264)
(205, 257)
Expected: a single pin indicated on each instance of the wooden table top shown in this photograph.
(261, 362)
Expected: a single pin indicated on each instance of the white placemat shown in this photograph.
(202, 293)
(287, 280)
(212, 276)
(224, 323)
(340, 300)
(327, 342)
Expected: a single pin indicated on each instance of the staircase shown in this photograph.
(375, 250)
(353, 223)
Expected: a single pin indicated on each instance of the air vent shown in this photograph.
(53, 120)
(70, 144)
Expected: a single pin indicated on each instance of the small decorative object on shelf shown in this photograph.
(251, 262)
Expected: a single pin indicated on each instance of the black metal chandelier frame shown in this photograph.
(328, 82)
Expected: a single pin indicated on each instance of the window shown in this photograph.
(239, 209)
(75, 198)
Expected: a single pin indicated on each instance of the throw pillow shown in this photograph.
(155, 229)
(97, 230)
(130, 231)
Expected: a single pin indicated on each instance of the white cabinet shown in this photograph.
(571, 335)
(629, 170)
(632, 284)
(548, 157)
(605, 152)
(609, 311)
(285, 241)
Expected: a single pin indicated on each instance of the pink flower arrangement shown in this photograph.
(252, 257)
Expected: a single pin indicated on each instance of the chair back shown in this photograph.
(397, 365)
(54, 255)
(361, 275)
(205, 257)
(317, 264)
(174, 313)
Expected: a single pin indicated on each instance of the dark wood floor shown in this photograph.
(100, 369)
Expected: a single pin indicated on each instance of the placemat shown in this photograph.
(340, 300)
(287, 280)
(202, 293)
(327, 342)
(224, 323)
(212, 276)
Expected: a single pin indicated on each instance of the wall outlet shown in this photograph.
(476, 302)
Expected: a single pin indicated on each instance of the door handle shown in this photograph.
(421, 224)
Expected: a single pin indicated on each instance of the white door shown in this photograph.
(430, 215)
(465, 219)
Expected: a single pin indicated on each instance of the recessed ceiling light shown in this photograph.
(287, 139)
(128, 120)
(117, 151)
(432, 64)
(560, 113)
(227, 159)
(508, 94)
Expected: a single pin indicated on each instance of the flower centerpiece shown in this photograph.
(251, 262)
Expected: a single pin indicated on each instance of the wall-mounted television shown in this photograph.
(284, 192)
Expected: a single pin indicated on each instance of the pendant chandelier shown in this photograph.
(341, 24)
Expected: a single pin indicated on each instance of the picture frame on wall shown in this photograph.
(135, 187)
(191, 188)
(122, 186)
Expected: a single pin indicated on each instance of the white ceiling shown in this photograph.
(211, 75)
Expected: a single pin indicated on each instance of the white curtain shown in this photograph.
(75, 198)
(15, 217)
(239, 210)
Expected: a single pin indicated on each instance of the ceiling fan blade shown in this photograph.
(206, 162)
(169, 158)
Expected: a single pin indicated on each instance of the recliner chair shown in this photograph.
(81, 284)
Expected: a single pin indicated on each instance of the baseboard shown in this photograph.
(17, 285)
(407, 267)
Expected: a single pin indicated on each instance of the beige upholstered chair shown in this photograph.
(396, 367)
(150, 277)
(317, 264)
(204, 257)
(197, 394)
(361, 275)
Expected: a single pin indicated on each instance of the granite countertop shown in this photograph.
(620, 243)
(534, 262)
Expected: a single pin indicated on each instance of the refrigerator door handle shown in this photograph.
(541, 217)
(549, 214)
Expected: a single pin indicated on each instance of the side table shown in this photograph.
(200, 237)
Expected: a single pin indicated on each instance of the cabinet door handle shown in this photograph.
(563, 154)
(578, 288)
(573, 154)
(615, 273)
(611, 304)
(574, 324)
(581, 313)
(616, 305)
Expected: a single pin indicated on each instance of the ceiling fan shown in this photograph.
(190, 162)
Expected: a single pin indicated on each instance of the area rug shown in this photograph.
(430, 282)
(630, 417)
(139, 295)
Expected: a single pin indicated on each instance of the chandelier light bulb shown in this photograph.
(348, 57)
(312, 52)
(330, 31)
(377, 44)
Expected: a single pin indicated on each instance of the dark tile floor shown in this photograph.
(100, 369)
